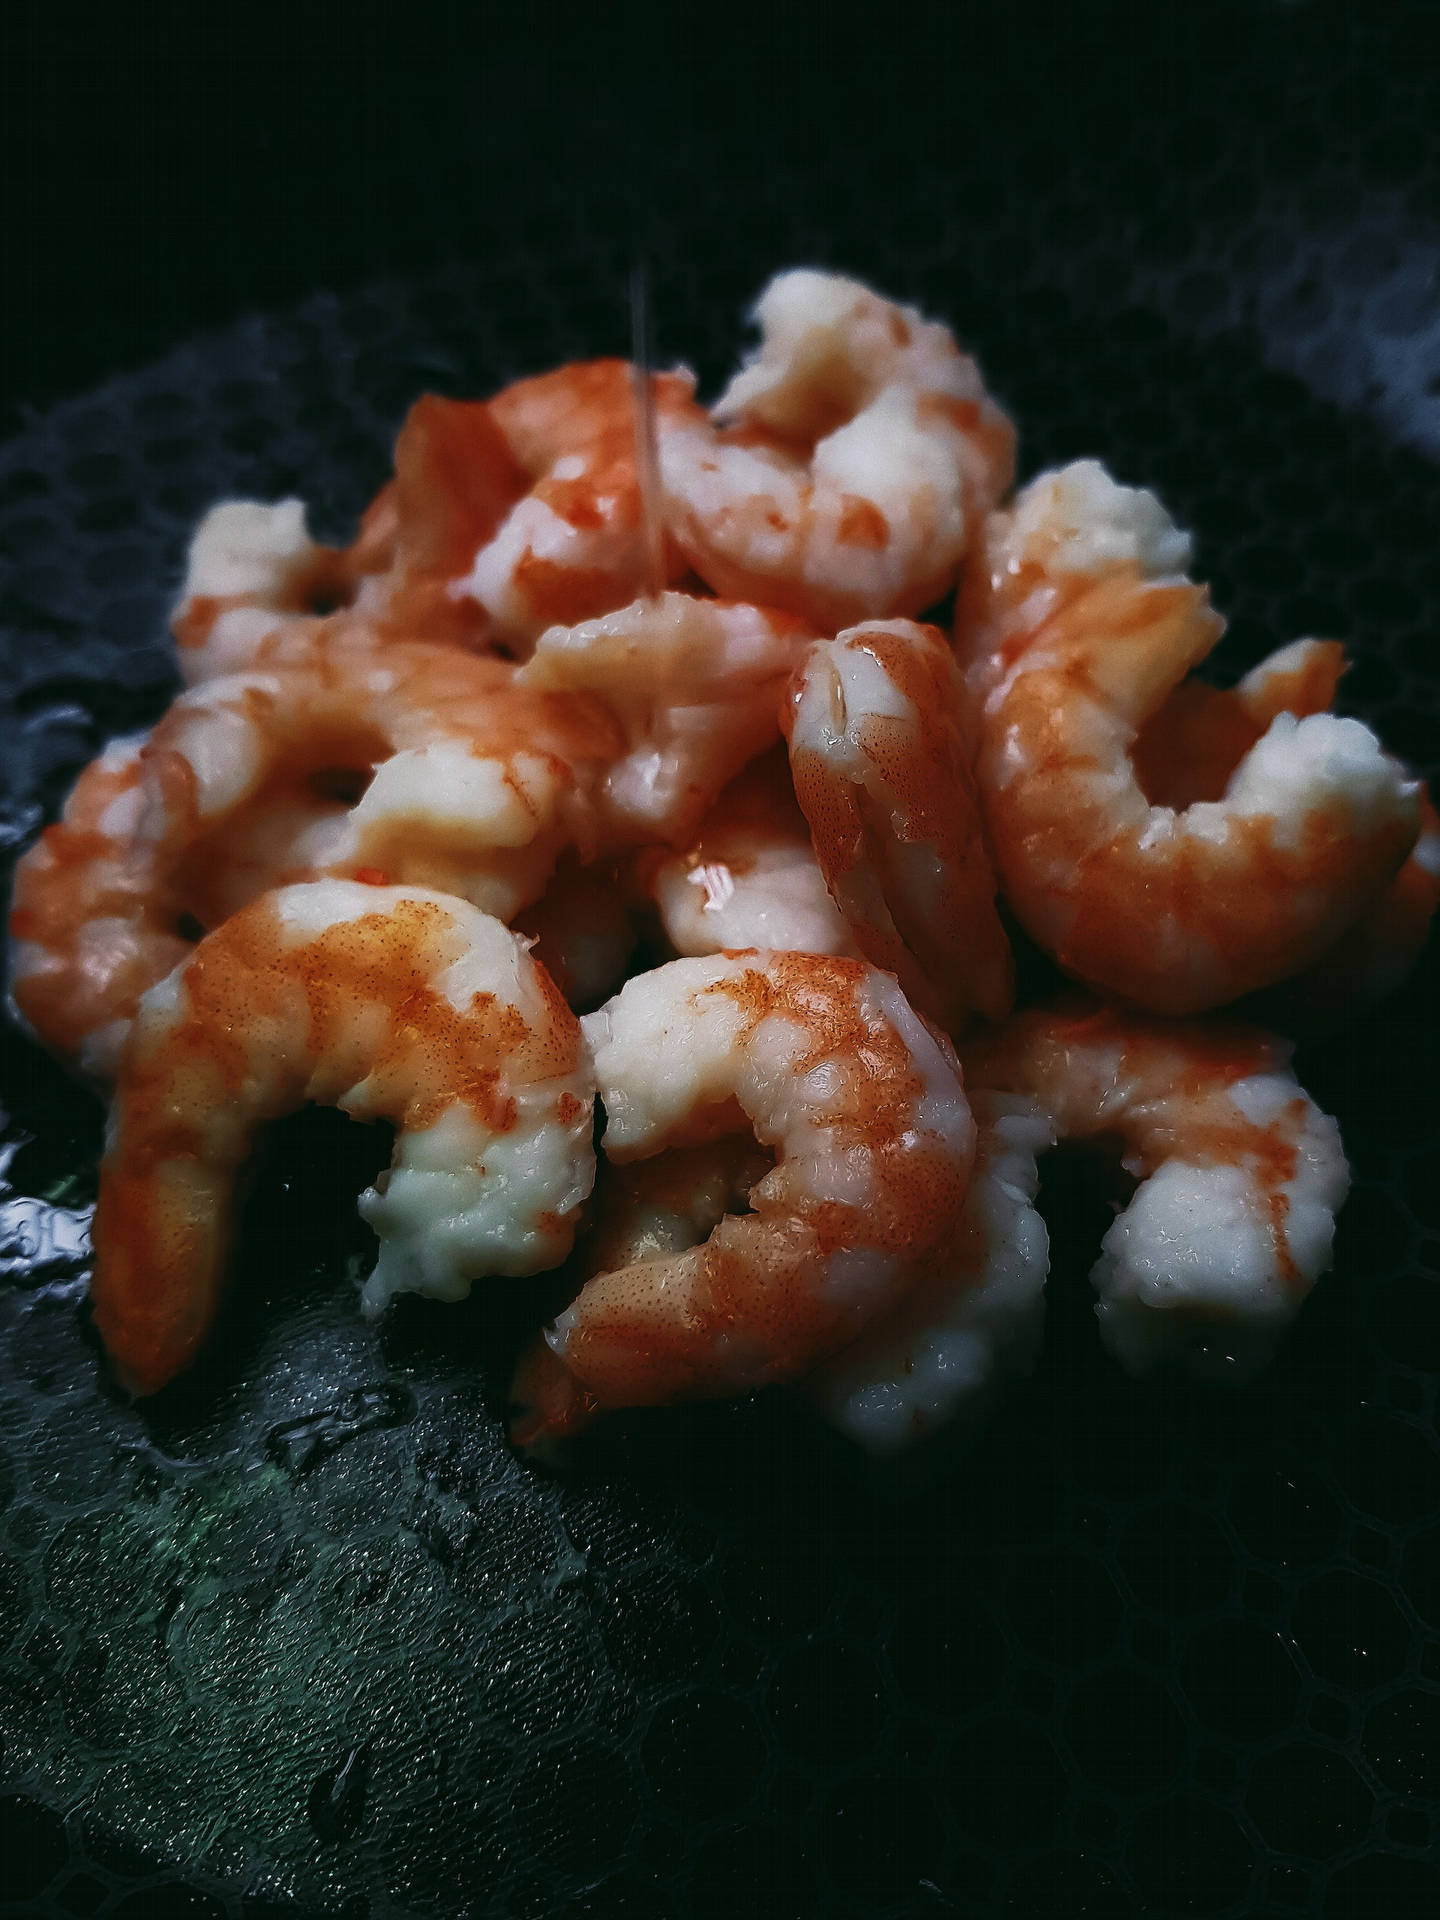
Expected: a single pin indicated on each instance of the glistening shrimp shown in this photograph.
(502, 517)
(255, 582)
(1079, 625)
(974, 1319)
(750, 877)
(479, 785)
(694, 687)
(1190, 751)
(571, 545)
(864, 1108)
(1240, 1174)
(89, 929)
(881, 744)
(847, 462)
(389, 1003)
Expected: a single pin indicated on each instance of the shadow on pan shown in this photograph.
(302, 1637)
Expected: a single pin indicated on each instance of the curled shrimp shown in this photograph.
(864, 1109)
(750, 877)
(1190, 750)
(695, 687)
(846, 462)
(389, 1003)
(974, 1319)
(477, 786)
(1376, 956)
(1079, 626)
(652, 1209)
(1240, 1174)
(254, 583)
(1190, 747)
(89, 930)
(571, 544)
(881, 745)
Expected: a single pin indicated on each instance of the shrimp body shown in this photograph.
(865, 1111)
(653, 1209)
(1240, 1175)
(389, 1003)
(478, 786)
(1375, 957)
(750, 877)
(1078, 629)
(90, 930)
(571, 544)
(253, 576)
(695, 688)
(881, 746)
(1190, 750)
(974, 1320)
(845, 464)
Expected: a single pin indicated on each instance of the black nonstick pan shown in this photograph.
(301, 1636)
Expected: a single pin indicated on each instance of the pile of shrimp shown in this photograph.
(632, 752)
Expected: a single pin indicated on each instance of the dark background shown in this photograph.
(303, 1636)
(167, 167)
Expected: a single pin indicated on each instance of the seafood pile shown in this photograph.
(598, 770)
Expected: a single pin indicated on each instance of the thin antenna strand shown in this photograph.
(647, 444)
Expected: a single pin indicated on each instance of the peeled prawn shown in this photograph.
(571, 544)
(750, 877)
(89, 930)
(846, 464)
(881, 745)
(695, 687)
(1190, 750)
(1376, 956)
(1078, 625)
(652, 1209)
(478, 786)
(1240, 1174)
(865, 1111)
(389, 1003)
(974, 1319)
(256, 580)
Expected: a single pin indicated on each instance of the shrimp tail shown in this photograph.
(158, 1289)
(547, 1403)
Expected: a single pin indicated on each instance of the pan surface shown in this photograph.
(301, 1636)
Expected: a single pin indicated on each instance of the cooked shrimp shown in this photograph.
(88, 931)
(847, 462)
(1079, 626)
(1376, 956)
(864, 1108)
(583, 931)
(389, 1003)
(571, 545)
(695, 686)
(974, 1319)
(651, 1209)
(1240, 1174)
(750, 877)
(881, 745)
(254, 574)
(478, 786)
(1189, 749)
